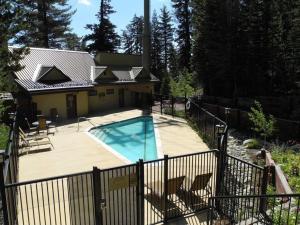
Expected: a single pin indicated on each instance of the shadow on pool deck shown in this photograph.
(77, 152)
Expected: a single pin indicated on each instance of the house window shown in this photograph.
(92, 93)
(110, 91)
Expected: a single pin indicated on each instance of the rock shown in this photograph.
(248, 141)
(295, 148)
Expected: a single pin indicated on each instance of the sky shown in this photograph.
(125, 10)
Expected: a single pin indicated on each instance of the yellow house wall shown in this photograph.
(46, 102)
(101, 103)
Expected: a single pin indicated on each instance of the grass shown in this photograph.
(289, 161)
(4, 133)
(177, 113)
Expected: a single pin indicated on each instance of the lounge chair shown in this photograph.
(174, 185)
(195, 191)
(158, 194)
(30, 136)
(30, 129)
(31, 142)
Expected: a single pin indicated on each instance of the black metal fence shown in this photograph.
(177, 186)
(58, 200)
(9, 165)
(255, 209)
(208, 125)
(148, 192)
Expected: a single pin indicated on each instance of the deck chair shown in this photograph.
(198, 190)
(29, 143)
(174, 185)
(158, 194)
(30, 136)
(30, 128)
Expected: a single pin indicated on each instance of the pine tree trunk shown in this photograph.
(42, 13)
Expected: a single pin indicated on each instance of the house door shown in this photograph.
(121, 97)
(71, 106)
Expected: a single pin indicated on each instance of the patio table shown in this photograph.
(36, 123)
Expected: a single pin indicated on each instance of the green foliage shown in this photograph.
(73, 42)
(184, 84)
(103, 38)
(253, 144)
(262, 124)
(166, 32)
(11, 25)
(4, 134)
(176, 113)
(48, 24)
(132, 36)
(289, 161)
(245, 48)
(165, 84)
(157, 66)
(284, 217)
(182, 10)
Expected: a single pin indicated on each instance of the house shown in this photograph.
(74, 84)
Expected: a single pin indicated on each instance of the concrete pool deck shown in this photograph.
(76, 152)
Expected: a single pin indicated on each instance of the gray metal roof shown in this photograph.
(37, 86)
(74, 64)
(78, 66)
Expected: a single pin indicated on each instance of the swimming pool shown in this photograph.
(134, 139)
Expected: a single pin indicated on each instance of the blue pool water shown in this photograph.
(133, 138)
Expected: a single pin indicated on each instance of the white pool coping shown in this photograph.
(158, 143)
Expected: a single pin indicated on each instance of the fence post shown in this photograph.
(140, 193)
(263, 200)
(172, 102)
(161, 104)
(165, 196)
(2, 188)
(97, 195)
(151, 101)
(185, 102)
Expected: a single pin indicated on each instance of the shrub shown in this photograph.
(4, 133)
(262, 124)
(253, 144)
(183, 85)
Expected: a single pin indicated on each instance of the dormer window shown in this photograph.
(102, 74)
(49, 75)
(140, 74)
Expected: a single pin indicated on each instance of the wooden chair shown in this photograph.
(158, 193)
(42, 124)
(198, 190)
(34, 136)
(30, 143)
(30, 128)
(174, 185)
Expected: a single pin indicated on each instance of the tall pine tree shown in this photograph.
(183, 15)
(11, 26)
(167, 38)
(103, 37)
(48, 23)
(132, 37)
(156, 47)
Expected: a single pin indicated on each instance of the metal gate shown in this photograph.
(117, 195)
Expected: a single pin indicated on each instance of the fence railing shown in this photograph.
(142, 193)
(9, 166)
(209, 126)
(255, 209)
(180, 185)
(58, 200)
(147, 192)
